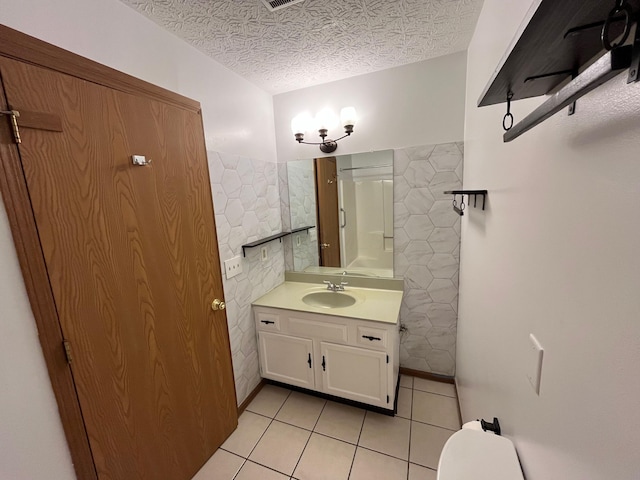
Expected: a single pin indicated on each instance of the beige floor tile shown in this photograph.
(341, 421)
(405, 396)
(386, 434)
(426, 444)
(221, 466)
(253, 471)
(416, 472)
(280, 447)
(269, 400)
(440, 388)
(435, 409)
(325, 458)
(301, 410)
(250, 428)
(369, 465)
(406, 381)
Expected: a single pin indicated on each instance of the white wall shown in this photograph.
(416, 104)
(32, 442)
(555, 254)
(238, 119)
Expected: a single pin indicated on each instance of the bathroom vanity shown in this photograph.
(340, 343)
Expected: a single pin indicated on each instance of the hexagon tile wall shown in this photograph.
(427, 253)
(246, 203)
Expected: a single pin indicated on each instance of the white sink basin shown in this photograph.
(328, 299)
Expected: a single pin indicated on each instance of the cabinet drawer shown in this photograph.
(318, 329)
(268, 321)
(371, 337)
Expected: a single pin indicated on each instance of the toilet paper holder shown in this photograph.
(492, 427)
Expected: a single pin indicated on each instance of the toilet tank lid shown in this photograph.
(480, 456)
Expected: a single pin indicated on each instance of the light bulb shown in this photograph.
(348, 116)
(326, 119)
(301, 123)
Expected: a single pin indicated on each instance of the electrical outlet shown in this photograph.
(264, 255)
(534, 363)
(233, 267)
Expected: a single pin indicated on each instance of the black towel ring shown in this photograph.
(508, 115)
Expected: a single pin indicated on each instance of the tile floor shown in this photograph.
(289, 435)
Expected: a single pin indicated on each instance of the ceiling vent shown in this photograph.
(274, 5)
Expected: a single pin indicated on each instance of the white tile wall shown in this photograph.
(246, 201)
(426, 250)
(300, 212)
(427, 253)
(285, 215)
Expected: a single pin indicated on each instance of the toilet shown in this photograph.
(477, 455)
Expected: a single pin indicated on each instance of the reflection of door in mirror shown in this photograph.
(327, 205)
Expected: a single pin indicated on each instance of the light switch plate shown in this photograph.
(233, 267)
(534, 363)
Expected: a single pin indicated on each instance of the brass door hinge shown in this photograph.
(67, 350)
(14, 114)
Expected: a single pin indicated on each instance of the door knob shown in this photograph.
(218, 304)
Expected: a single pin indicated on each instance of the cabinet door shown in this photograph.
(287, 359)
(354, 373)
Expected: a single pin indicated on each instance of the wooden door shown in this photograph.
(327, 207)
(287, 359)
(132, 260)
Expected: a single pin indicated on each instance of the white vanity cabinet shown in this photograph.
(344, 357)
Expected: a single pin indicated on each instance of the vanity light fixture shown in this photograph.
(324, 121)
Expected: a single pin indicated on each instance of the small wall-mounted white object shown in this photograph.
(140, 160)
(264, 255)
(233, 267)
(534, 362)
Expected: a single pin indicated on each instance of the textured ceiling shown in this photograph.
(316, 41)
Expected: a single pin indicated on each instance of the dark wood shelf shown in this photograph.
(277, 236)
(557, 36)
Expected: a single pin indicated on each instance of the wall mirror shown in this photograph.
(349, 198)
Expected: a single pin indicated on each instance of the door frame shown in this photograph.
(13, 186)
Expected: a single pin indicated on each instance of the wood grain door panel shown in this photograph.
(133, 264)
(328, 213)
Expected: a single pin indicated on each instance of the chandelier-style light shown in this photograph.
(325, 120)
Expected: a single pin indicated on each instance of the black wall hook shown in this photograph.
(507, 116)
(470, 193)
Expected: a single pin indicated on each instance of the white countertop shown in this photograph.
(371, 303)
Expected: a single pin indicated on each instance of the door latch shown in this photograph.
(14, 114)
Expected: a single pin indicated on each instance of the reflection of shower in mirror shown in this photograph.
(355, 230)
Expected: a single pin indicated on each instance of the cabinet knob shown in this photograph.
(218, 304)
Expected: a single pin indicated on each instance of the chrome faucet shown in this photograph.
(334, 287)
